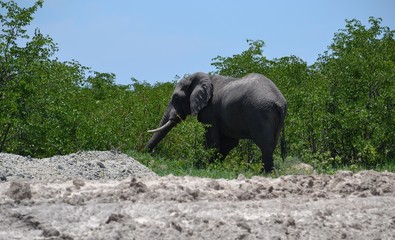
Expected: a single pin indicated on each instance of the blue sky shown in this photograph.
(154, 41)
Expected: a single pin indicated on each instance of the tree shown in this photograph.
(359, 116)
(37, 93)
(250, 61)
(16, 63)
(49, 107)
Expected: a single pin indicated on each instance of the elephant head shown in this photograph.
(191, 95)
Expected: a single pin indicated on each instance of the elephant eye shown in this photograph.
(176, 97)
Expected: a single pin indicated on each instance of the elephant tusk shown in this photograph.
(166, 125)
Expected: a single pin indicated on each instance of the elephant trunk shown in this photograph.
(159, 135)
(165, 126)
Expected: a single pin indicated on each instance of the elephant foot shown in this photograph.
(266, 168)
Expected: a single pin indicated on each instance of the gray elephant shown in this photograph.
(251, 107)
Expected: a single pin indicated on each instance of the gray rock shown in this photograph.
(93, 165)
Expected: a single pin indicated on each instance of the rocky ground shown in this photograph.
(106, 195)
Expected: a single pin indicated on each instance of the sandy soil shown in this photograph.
(342, 206)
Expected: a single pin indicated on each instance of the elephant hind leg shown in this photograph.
(267, 144)
(219, 142)
(267, 158)
(266, 141)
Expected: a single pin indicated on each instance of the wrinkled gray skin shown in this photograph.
(251, 107)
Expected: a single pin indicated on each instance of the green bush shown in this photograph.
(359, 120)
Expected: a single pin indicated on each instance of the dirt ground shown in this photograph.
(342, 206)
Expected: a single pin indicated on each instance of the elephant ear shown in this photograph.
(201, 94)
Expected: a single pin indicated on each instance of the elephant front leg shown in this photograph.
(221, 143)
(212, 142)
(211, 138)
(227, 144)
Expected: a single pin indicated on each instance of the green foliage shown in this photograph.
(359, 121)
(340, 109)
(239, 65)
(181, 167)
(49, 107)
(25, 78)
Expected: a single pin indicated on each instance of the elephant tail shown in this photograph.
(283, 113)
(283, 143)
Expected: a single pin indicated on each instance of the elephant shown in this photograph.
(251, 107)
